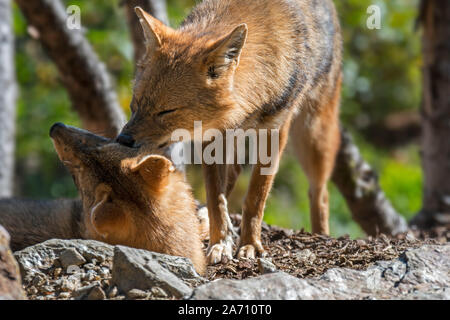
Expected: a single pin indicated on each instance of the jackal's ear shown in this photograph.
(226, 51)
(152, 27)
(107, 216)
(155, 170)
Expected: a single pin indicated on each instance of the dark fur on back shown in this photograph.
(33, 221)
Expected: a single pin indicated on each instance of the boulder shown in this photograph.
(69, 254)
(144, 270)
(10, 282)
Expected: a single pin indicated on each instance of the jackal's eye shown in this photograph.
(165, 112)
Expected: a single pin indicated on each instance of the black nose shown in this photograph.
(125, 140)
(55, 127)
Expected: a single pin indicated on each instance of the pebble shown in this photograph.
(96, 293)
(104, 272)
(47, 289)
(306, 256)
(71, 257)
(113, 292)
(158, 292)
(68, 285)
(361, 242)
(92, 257)
(84, 290)
(38, 280)
(265, 266)
(32, 290)
(89, 266)
(410, 237)
(64, 295)
(136, 294)
(57, 272)
(89, 276)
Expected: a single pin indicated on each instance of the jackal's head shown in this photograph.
(185, 76)
(117, 186)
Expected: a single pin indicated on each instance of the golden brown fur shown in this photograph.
(129, 198)
(244, 64)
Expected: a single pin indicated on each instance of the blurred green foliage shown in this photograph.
(381, 76)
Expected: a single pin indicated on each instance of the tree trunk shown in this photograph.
(358, 183)
(435, 21)
(82, 73)
(156, 8)
(7, 100)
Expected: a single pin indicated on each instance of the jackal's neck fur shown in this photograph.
(282, 60)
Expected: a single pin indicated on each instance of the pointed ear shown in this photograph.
(152, 27)
(155, 170)
(226, 52)
(107, 216)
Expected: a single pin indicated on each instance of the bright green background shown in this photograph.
(381, 76)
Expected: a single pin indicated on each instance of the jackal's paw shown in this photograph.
(249, 251)
(219, 250)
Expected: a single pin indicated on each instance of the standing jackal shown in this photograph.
(263, 64)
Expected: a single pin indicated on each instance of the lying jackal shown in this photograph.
(126, 198)
(263, 64)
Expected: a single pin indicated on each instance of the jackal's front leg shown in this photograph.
(220, 228)
(255, 200)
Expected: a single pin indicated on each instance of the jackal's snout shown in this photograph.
(55, 127)
(126, 140)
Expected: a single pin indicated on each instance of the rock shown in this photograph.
(306, 256)
(140, 269)
(89, 266)
(158, 292)
(10, 282)
(421, 273)
(113, 292)
(137, 294)
(96, 293)
(84, 291)
(274, 286)
(47, 254)
(71, 257)
(265, 266)
(68, 285)
(64, 295)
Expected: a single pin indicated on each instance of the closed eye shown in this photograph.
(163, 113)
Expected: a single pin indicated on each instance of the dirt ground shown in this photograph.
(298, 253)
(302, 254)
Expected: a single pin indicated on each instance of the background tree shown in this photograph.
(358, 183)
(83, 74)
(157, 8)
(435, 113)
(7, 100)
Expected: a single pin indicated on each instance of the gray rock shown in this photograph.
(266, 266)
(418, 274)
(48, 253)
(113, 292)
(96, 293)
(158, 292)
(71, 257)
(137, 294)
(274, 286)
(140, 269)
(10, 282)
(306, 256)
(84, 291)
